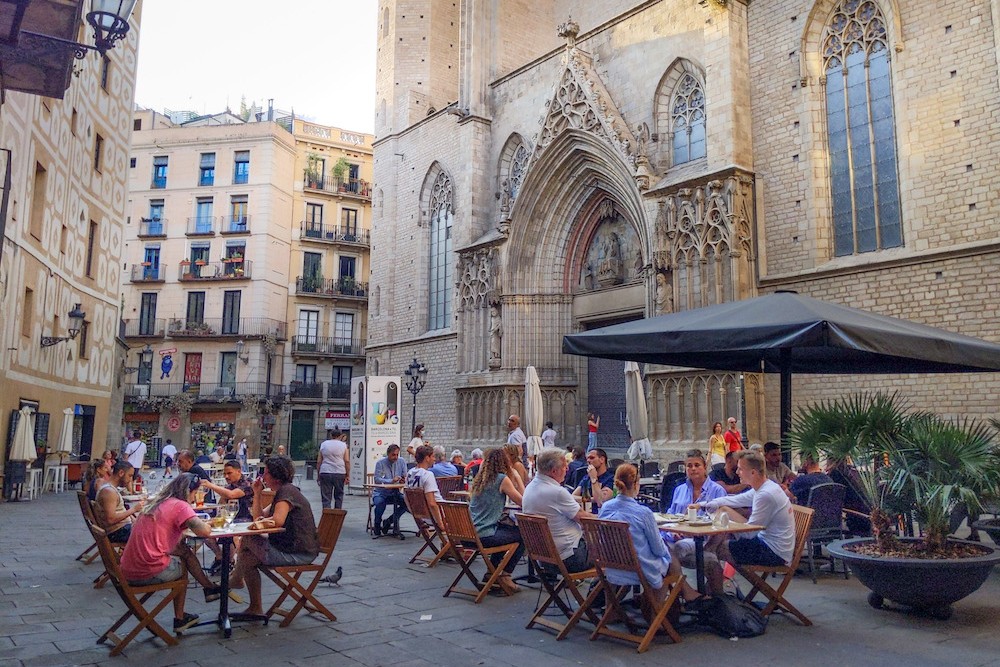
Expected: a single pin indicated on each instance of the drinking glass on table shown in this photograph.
(232, 509)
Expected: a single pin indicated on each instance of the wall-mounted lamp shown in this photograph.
(145, 359)
(76, 318)
(245, 358)
(109, 18)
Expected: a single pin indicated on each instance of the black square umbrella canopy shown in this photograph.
(787, 333)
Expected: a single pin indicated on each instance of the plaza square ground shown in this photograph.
(392, 613)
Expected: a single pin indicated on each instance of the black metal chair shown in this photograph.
(827, 502)
(648, 468)
(578, 476)
(670, 482)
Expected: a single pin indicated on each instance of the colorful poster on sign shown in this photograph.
(375, 420)
(192, 372)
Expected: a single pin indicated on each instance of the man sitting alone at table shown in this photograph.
(389, 470)
(697, 488)
(546, 496)
(770, 508)
(598, 483)
(443, 467)
(109, 509)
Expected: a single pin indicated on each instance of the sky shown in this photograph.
(316, 57)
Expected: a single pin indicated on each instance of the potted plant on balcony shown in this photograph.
(339, 170)
(908, 462)
(312, 171)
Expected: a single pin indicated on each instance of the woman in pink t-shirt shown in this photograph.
(156, 552)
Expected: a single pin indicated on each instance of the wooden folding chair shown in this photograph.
(542, 550)
(289, 577)
(758, 574)
(464, 544)
(448, 484)
(85, 555)
(610, 545)
(435, 539)
(90, 518)
(130, 595)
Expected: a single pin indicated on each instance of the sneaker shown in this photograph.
(215, 568)
(386, 526)
(212, 594)
(185, 623)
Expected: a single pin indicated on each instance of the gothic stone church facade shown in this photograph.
(538, 175)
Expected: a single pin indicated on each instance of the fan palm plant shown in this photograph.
(858, 430)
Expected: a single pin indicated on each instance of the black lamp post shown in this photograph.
(76, 319)
(108, 18)
(416, 378)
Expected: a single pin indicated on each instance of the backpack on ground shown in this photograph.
(731, 617)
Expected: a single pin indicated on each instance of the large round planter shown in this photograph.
(989, 526)
(926, 584)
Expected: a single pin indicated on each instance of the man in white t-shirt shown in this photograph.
(775, 544)
(334, 465)
(169, 458)
(545, 495)
(549, 435)
(515, 436)
(241, 454)
(420, 477)
(135, 453)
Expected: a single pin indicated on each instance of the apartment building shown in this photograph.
(244, 282)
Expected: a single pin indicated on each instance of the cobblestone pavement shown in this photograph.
(391, 613)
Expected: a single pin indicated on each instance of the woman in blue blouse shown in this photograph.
(654, 557)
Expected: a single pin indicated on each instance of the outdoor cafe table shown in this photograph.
(395, 521)
(700, 532)
(225, 538)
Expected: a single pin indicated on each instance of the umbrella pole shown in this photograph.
(786, 402)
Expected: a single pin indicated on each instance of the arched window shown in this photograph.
(441, 216)
(861, 130)
(512, 169)
(687, 121)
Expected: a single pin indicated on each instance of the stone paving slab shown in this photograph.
(392, 613)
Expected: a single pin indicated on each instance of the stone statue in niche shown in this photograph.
(587, 277)
(664, 293)
(609, 269)
(496, 337)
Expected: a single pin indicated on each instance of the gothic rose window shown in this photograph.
(860, 127)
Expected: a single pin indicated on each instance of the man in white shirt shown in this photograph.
(770, 507)
(515, 436)
(241, 454)
(420, 477)
(549, 435)
(169, 458)
(334, 465)
(545, 495)
(135, 453)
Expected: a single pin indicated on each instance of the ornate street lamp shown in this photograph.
(416, 378)
(240, 346)
(108, 18)
(145, 359)
(76, 318)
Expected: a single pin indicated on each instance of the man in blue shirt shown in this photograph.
(390, 470)
(443, 467)
(599, 481)
(697, 488)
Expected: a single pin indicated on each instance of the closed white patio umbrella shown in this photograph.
(65, 444)
(533, 417)
(635, 411)
(23, 448)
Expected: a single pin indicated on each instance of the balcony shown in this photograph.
(144, 328)
(235, 224)
(204, 392)
(325, 346)
(356, 188)
(309, 391)
(201, 225)
(331, 289)
(200, 271)
(147, 273)
(317, 231)
(338, 392)
(152, 228)
(243, 327)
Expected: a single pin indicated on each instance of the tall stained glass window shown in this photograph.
(440, 278)
(861, 130)
(687, 110)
